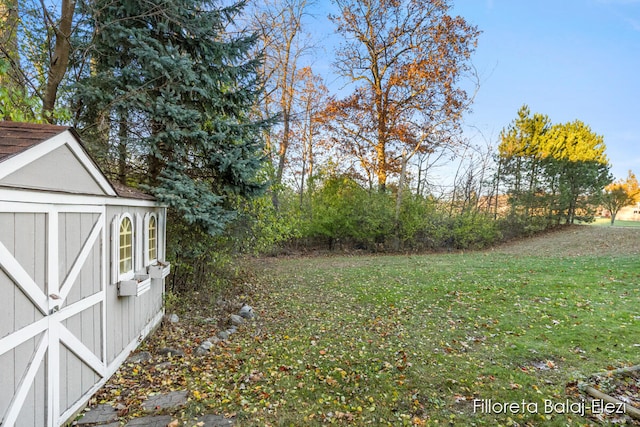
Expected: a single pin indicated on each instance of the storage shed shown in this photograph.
(81, 274)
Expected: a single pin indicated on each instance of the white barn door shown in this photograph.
(52, 336)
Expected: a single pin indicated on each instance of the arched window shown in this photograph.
(126, 246)
(152, 239)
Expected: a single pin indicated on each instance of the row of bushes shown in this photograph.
(338, 215)
(342, 215)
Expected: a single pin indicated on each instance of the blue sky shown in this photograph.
(568, 59)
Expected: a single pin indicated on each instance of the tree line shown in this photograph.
(218, 109)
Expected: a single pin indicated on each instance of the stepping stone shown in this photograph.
(247, 312)
(173, 399)
(143, 356)
(211, 420)
(100, 414)
(236, 320)
(154, 421)
(170, 352)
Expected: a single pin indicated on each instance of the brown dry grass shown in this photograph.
(577, 240)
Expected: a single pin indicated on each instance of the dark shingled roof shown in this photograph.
(130, 192)
(16, 137)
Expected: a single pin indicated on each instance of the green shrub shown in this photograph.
(260, 228)
(474, 230)
(198, 260)
(344, 213)
(420, 225)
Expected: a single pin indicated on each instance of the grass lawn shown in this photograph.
(414, 340)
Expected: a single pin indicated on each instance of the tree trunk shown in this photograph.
(381, 170)
(283, 147)
(403, 172)
(158, 157)
(60, 57)
(9, 41)
(123, 135)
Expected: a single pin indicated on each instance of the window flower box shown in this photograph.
(159, 270)
(141, 276)
(135, 287)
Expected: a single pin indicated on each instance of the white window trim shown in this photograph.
(147, 220)
(129, 274)
(138, 236)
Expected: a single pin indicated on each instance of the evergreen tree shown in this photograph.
(520, 154)
(552, 173)
(171, 88)
(577, 167)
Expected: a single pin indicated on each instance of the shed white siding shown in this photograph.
(52, 353)
(64, 329)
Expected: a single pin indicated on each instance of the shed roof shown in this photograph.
(16, 137)
(130, 192)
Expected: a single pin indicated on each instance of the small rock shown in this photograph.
(173, 318)
(223, 335)
(201, 351)
(247, 312)
(236, 320)
(206, 344)
(163, 365)
(171, 352)
(232, 330)
(143, 356)
(213, 340)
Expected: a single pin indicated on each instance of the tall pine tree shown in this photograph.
(577, 168)
(171, 87)
(551, 173)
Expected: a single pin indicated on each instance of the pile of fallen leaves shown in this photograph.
(578, 240)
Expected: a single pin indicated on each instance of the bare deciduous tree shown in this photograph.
(312, 97)
(284, 42)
